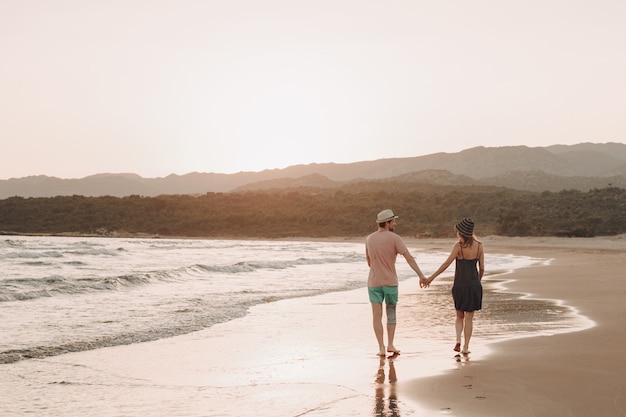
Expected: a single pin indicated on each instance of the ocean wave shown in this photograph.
(199, 322)
(23, 295)
(189, 315)
(74, 263)
(21, 249)
(12, 243)
(38, 263)
(93, 252)
(20, 289)
(31, 255)
(251, 266)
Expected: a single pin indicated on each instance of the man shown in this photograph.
(381, 249)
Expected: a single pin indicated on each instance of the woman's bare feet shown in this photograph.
(393, 350)
(457, 347)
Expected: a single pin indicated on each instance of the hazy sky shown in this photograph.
(157, 87)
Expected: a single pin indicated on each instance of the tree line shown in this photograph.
(349, 211)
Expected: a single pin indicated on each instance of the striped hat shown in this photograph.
(465, 227)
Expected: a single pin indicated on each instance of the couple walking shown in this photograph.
(381, 250)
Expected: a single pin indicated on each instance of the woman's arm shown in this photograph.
(481, 262)
(453, 255)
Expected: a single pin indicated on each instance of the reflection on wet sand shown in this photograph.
(386, 399)
(462, 358)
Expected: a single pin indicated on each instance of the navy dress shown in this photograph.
(467, 290)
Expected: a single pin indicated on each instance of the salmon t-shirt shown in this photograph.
(381, 250)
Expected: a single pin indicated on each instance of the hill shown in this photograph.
(583, 167)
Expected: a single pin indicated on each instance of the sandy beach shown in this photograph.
(573, 374)
(315, 356)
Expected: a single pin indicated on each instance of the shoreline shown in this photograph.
(315, 356)
(512, 241)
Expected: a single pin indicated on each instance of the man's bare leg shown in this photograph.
(377, 322)
(391, 328)
(391, 332)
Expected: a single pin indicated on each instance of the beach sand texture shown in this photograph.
(572, 374)
(315, 356)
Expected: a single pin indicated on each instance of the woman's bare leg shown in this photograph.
(468, 329)
(458, 325)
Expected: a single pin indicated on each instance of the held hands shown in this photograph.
(425, 282)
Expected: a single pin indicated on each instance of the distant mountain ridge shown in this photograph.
(583, 166)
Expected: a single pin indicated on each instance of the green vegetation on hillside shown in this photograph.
(424, 210)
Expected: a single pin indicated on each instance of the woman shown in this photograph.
(467, 290)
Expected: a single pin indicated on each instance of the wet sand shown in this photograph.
(573, 374)
(316, 356)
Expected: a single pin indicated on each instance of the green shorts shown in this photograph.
(388, 294)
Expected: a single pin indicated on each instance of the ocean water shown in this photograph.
(61, 294)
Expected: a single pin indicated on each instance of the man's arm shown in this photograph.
(413, 264)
